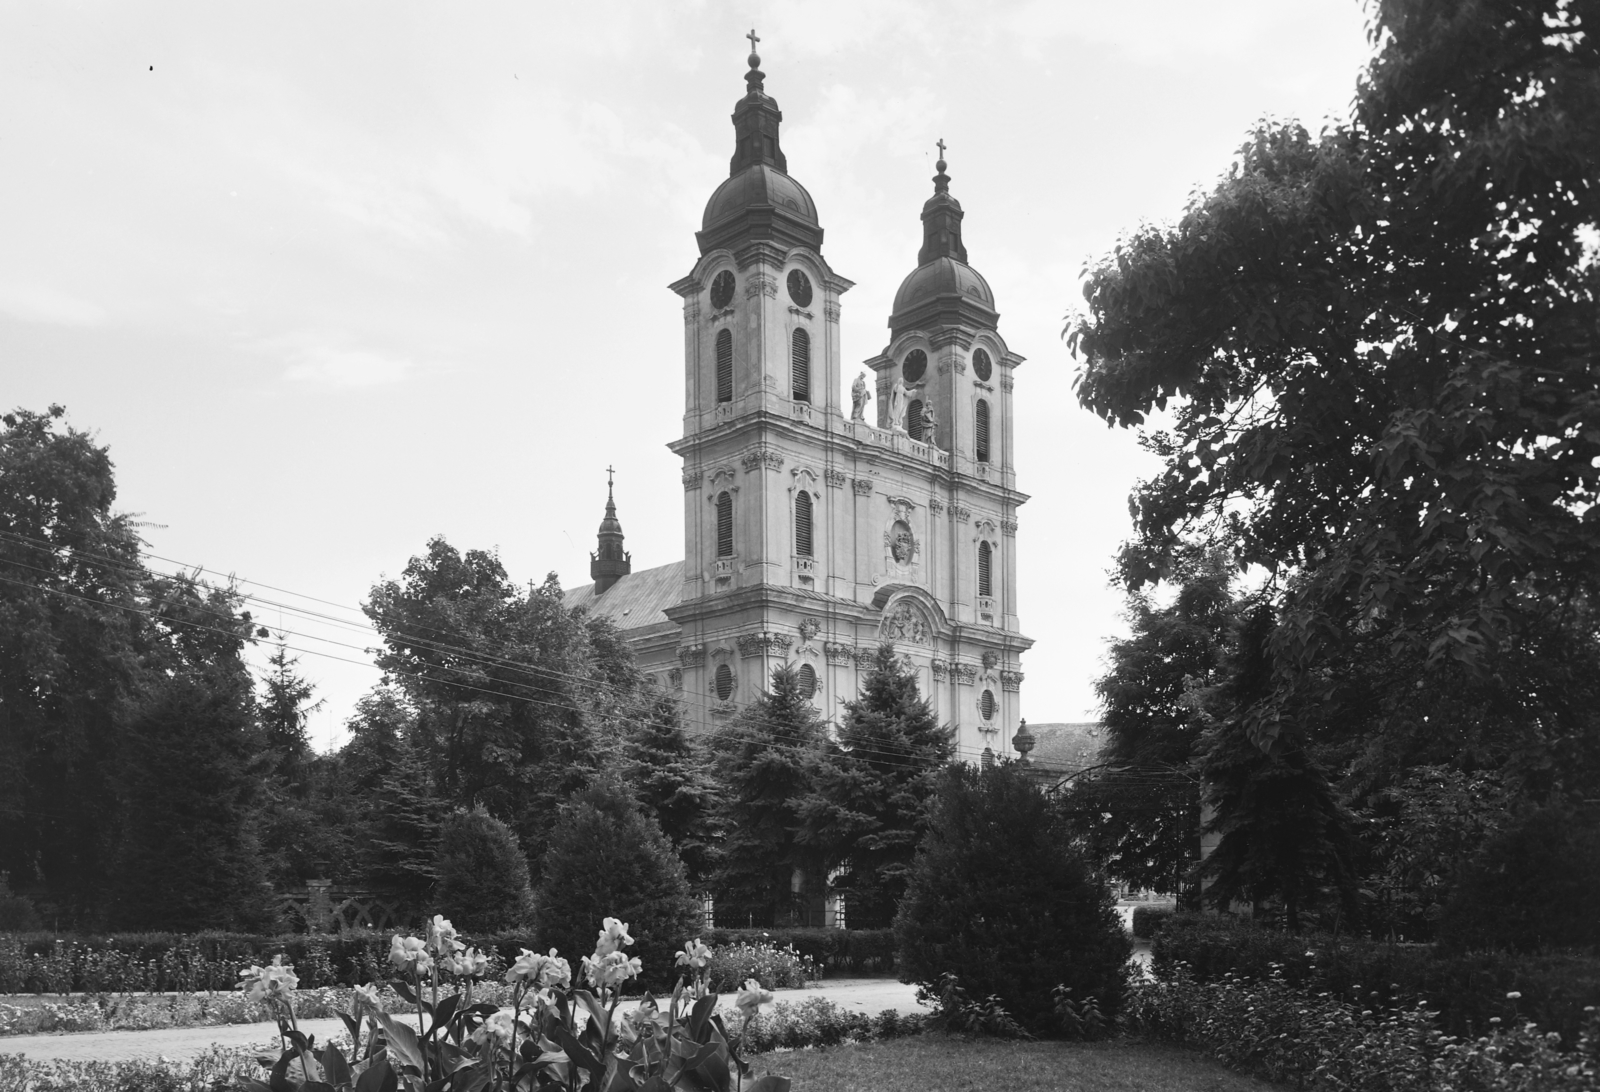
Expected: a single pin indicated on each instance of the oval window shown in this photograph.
(722, 682)
(914, 366)
(982, 365)
(799, 288)
(985, 704)
(807, 678)
(722, 289)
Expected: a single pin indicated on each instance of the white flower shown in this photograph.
(498, 1027)
(752, 997)
(364, 999)
(695, 956)
(613, 937)
(610, 970)
(469, 963)
(408, 952)
(533, 969)
(442, 936)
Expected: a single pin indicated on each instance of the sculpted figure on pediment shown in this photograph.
(905, 623)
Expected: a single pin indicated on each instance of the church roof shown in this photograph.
(758, 185)
(1066, 748)
(635, 600)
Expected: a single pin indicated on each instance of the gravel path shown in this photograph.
(868, 995)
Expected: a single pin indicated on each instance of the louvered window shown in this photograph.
(800, 365)
(724, 525)
(807, 678)
(802, 523)
(725, 365)
(722, 682)
(914, 419)
(985, 569)
(986, 705)
(981, 421)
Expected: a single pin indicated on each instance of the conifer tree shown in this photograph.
(483, 876)
(869, 808)
(767, 766)
(607, 858)
(671, 779)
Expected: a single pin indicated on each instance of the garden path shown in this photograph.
(869, 995)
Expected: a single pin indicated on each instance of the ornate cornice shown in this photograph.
(1011, 680)
(760, 284)
(758, 644)
(838, 653)
(960, 512)
(692, 655)
(692, 479)
(863, 487)
(754, 460)
(936, 506)
(1008, 527)
(966, 674)
(941, 670)
(830, 311)
(835, 478)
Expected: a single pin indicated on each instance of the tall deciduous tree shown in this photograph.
(869, 808)
(1140, 814)
(513, 691)
(1380, 353)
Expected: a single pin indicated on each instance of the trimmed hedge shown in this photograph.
(1467, 990)
(1148, 920)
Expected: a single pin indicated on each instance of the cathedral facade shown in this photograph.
(815, 529)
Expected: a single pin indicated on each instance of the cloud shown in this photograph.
(36, 303)
(327, 366)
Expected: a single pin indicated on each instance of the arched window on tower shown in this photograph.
(800, 365)
(802, 524)
(806, 677)
(724, 524)
(981, 430)
(914, 419)
(725, 365)
(985, 570)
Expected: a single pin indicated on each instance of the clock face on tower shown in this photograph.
(799, 288)
(722, 289)
(981, 364)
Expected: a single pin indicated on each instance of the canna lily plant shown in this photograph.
(558, 1035)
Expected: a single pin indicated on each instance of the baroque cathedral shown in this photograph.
(811, 533)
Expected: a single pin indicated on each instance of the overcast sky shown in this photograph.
(331, 279)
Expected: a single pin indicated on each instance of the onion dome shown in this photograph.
(943, 290)
(610, 562)
(759, 200)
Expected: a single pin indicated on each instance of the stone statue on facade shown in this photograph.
(930, 425)
(859, 395)
(898, 398)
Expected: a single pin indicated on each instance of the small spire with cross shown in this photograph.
(941, 181)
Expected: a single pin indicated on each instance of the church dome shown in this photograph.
(940, 278)
(759, 186)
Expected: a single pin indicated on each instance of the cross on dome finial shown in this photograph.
(941, 181)
(754, 38)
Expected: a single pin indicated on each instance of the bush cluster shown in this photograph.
(1466, 990)
(834, 951)
(817, 1022)
(1354, 1042)
(1148, 920)
(775, 968)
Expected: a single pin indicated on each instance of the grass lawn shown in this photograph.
(940, 1063)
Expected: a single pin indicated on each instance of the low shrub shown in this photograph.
(817, 1022)
(216, 1068)
(1316, 1039)
(954, 1011)
(1467, 990)
(775, 968)
(1148, 920)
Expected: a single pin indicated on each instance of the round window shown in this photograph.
(914, 366)
(807, 678)
(982, 365)
(986, 705)
(799, 288)
(722, 682)
(722, 289)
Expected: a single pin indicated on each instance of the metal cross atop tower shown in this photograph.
(753, 39)
(940, 146)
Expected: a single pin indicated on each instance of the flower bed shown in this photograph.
(1323, 1040)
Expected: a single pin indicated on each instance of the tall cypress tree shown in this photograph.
(869, 808)
(766, 764)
